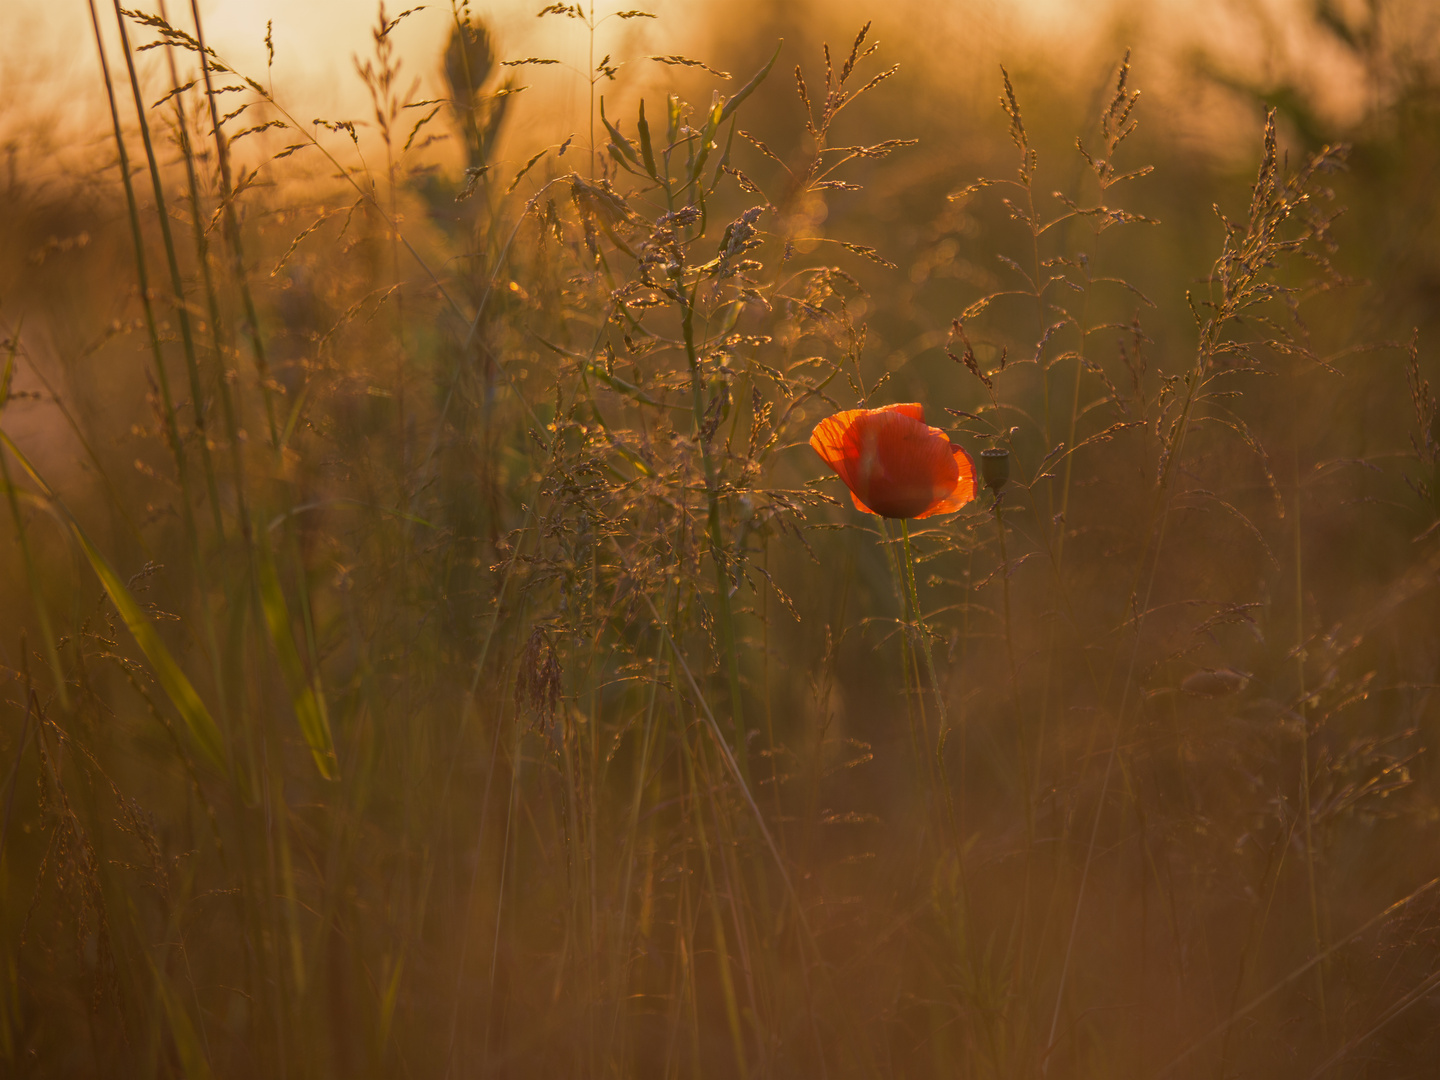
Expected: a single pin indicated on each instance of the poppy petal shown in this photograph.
(833, 441)
(860, 505)
(895, 464)
(912, 409)
(965, 486)
(903, 466)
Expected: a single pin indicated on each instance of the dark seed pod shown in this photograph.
(995, 467)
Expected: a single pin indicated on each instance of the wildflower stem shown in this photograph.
(1315, 928)
(717, 540)
(942, 722)
(909, 670)
(1025, 779)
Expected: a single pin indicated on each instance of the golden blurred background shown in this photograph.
(430, 647)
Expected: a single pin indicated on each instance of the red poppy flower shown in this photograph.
(895, 464)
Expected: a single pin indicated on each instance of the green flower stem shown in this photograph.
(1025, 774)
(909, 670)
(717, 540)
(943, 726)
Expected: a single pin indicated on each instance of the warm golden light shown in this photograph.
(729, 539)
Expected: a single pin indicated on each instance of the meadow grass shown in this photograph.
(434, 650)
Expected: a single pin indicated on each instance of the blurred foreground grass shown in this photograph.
(432, 648)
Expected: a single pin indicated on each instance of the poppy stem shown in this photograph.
(909, 665)
(924, 635)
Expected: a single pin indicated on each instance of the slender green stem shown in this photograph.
(718, 553)
(1084, 328)
(1301, 708)
(1026, 783)
(909, 666)
(717, 922)
(172, 427)
(951, 826)
(232, 235)
(228, 406)
(177, 285)
(162, 376)
(42, 610)
(943, 723)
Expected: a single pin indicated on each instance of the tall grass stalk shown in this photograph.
(1302, 707)
(180, 304)
(233, 237)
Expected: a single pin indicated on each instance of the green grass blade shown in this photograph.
(37, 594)
(8, 376)
(745, 91)
(32, 576)
(176, 686)
(194, 1063)
(647, 152)
(306, 695)
(389, 1000)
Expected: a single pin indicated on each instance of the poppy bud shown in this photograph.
(995, 467)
